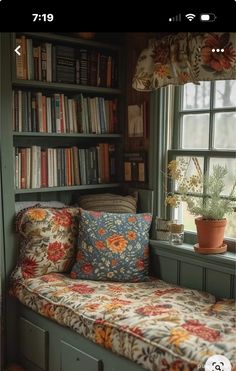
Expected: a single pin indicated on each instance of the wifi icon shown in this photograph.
(190, 16)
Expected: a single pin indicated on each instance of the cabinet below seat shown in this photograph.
(34, 343)
(74, 359)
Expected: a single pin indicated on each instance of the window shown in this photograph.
(204, 132)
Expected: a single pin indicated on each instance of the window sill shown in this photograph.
(186, 252)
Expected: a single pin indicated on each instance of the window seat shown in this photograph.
(151, 323)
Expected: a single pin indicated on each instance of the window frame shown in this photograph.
(166, 148)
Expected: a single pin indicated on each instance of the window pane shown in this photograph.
(196, 96)
(225, 130)
(195, 131)
(194, 166)
(225, 93)
(230, 230)
(184, 217)
(230, 163)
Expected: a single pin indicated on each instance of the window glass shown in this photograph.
(230, 164)
(196, 96)
(230, 230)
(183, 216)
(225, 93)
(225, 130)
(195, 131)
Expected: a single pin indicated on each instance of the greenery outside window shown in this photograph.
(204, 132)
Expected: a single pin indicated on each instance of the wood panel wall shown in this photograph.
(135, 42)
(182, 266)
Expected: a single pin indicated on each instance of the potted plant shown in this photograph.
(210, 211)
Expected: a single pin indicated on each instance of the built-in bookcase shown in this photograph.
(62, 115)
(67, 115)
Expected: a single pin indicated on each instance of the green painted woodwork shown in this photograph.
(57, 334)
(145, 199)
(233, 286)
(33, 343)
(64, 39)
(66, 135)
(68, 188)
(2, 262)
(56, 86)
(218, 283)
(191, 276)
(201, 152)
(2, 280)
(9, 139)
(77, 359)
(8, 201)
(212, 273)
(168, 269)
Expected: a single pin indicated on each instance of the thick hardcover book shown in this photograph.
(103, 70)
(20, 61)
(84, 67)
(65, 64)
(93, 71)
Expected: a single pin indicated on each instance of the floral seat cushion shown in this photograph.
(155, 324)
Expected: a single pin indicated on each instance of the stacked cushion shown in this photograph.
(20, 205)
(109, 202)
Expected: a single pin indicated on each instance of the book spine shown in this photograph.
(44, 170)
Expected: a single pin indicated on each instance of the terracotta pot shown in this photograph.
(210, 233)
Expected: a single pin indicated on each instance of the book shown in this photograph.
(135, 167)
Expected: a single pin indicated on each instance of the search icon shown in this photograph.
(218, 362)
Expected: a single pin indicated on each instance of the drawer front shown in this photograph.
(33, 343)
(74, 359)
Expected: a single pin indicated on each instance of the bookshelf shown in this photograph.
(95, 86)
(15, 138)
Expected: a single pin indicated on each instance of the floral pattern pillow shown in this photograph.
(112, 246)
(48, 239)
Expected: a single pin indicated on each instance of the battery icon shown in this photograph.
(207, 17)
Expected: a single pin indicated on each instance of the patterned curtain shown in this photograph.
(186, 57)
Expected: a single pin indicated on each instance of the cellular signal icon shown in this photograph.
(190, 16)
(177, 18)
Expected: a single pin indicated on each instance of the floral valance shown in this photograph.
(186, 57)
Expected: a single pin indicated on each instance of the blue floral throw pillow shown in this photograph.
(112, 247)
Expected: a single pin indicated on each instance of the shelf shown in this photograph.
(67, 188)
(65, 135)
(65, 87)
(70, 40)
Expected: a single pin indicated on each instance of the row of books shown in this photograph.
(56, 63)
(135, 167)
(37, 167)
(58, 113)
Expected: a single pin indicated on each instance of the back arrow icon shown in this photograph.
(17, 49)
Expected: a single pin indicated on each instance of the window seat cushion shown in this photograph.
(152, 323)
